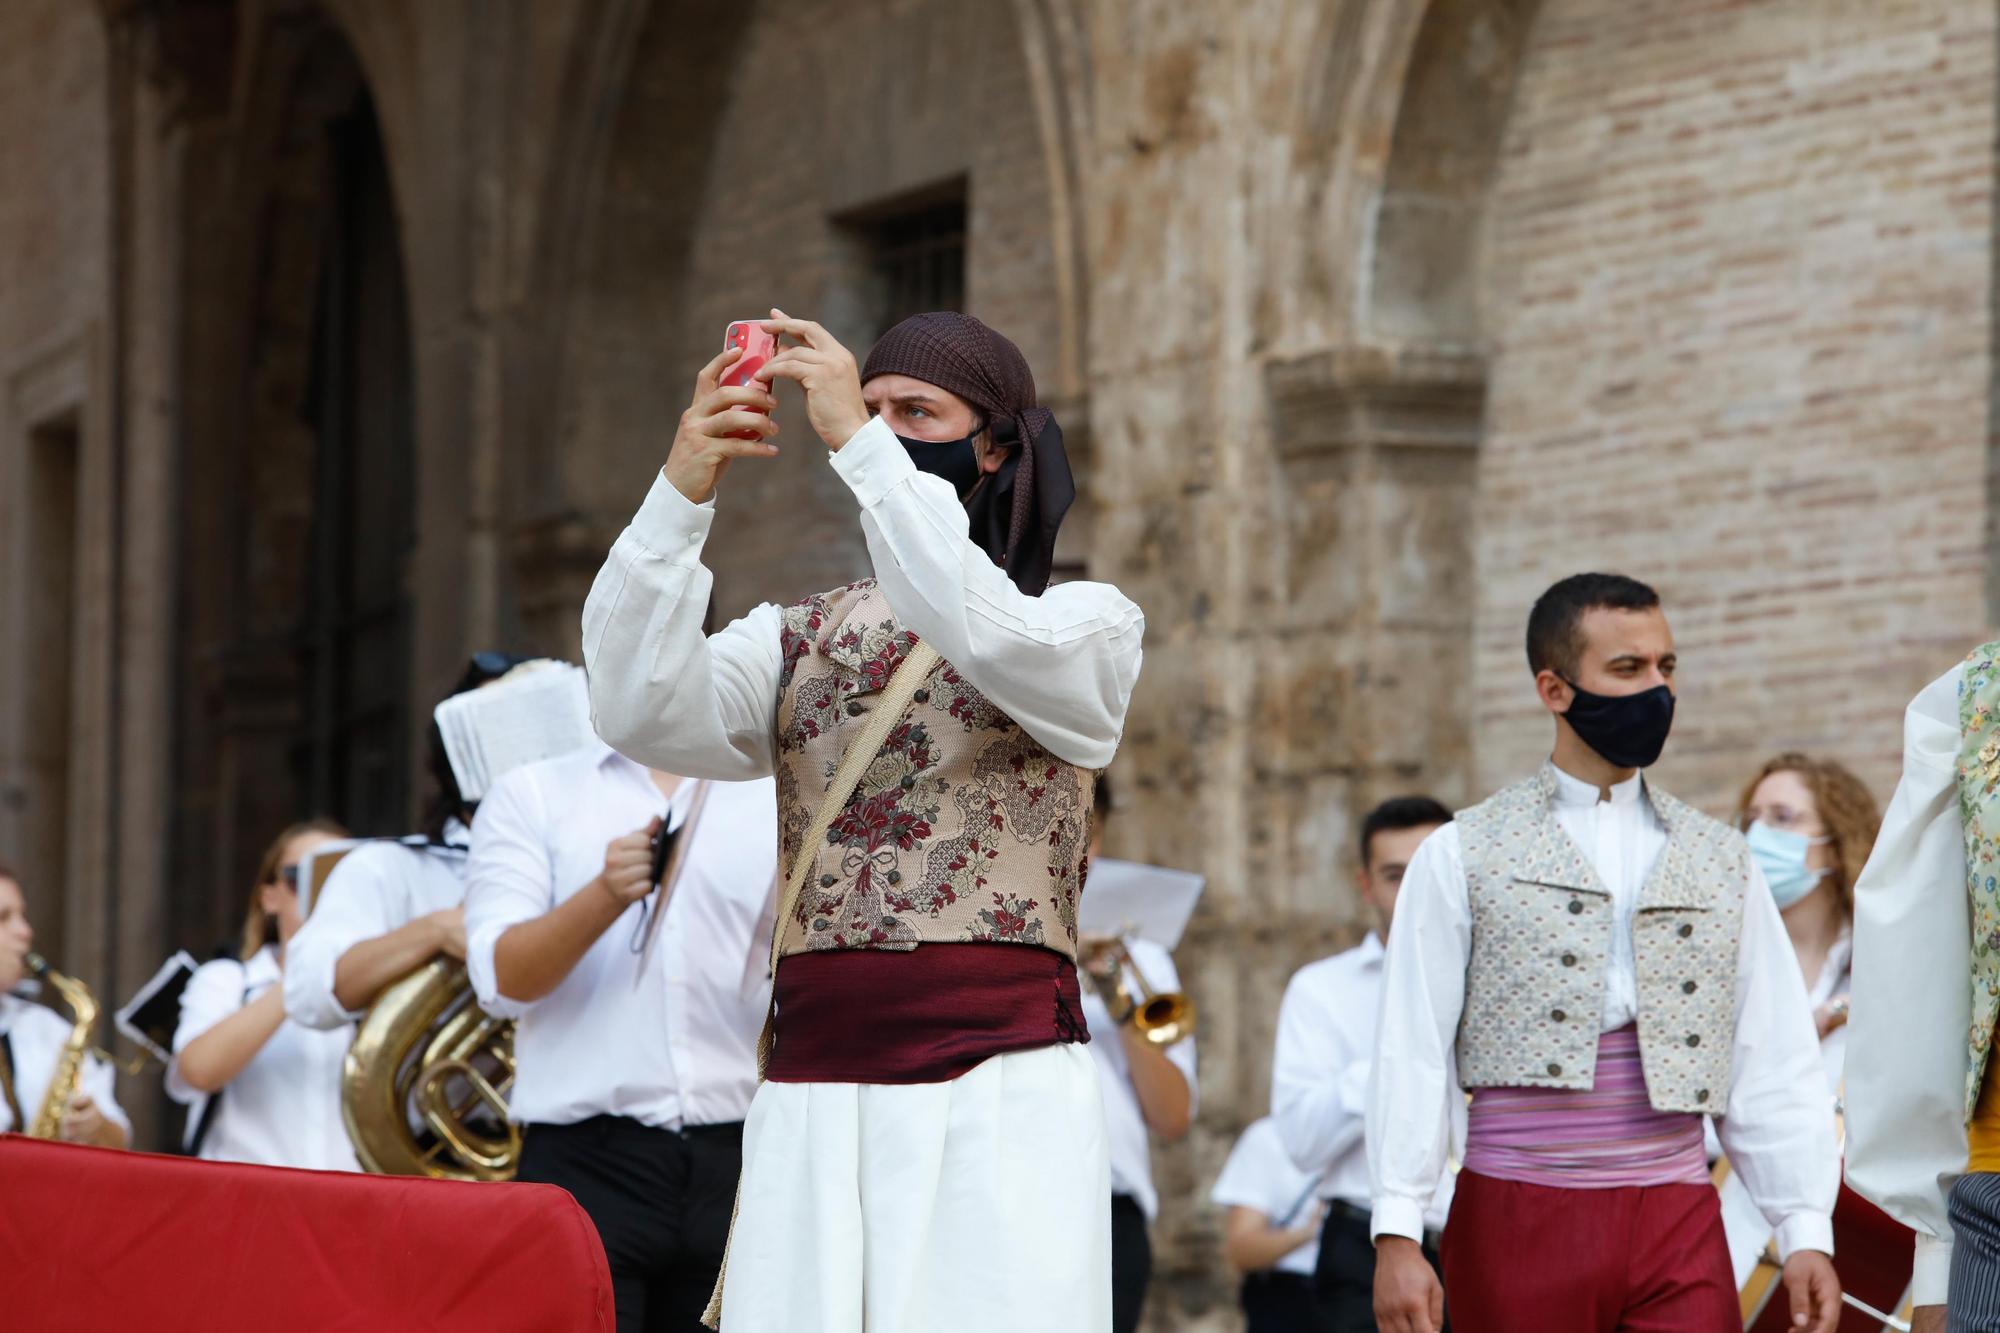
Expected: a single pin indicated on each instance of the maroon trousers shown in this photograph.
(1543, 1259)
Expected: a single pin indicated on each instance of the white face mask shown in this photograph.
(1782, 858)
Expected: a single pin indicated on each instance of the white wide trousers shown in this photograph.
(981, 1205)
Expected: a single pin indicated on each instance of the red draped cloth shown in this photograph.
(95, 1239)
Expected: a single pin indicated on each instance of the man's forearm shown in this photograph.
(368, 967)
(1164, 1096)
(532, 958)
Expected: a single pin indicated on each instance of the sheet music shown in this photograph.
(534, 713)
(148, 1018)
(1127, 898)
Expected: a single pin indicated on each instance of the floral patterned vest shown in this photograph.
(1541, 938)
(1979, 815)
(964, 829)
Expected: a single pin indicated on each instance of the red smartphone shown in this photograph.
(758, 347)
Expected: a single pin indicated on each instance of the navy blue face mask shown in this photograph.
(1628, 730)
(954, 460)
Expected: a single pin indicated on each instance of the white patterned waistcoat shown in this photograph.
(1541, 940)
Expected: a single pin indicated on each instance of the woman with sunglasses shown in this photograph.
(1811, 824)
(282, 1080)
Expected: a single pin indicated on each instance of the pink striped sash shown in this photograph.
(1607, 1137)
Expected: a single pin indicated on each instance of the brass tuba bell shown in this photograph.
(424, 1088)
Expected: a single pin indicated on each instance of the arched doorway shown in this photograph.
(299, 505)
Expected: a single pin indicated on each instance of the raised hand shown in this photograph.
(825, 370)
(703, 445)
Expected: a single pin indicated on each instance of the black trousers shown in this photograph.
(1131, 1263)
(661, 1200)
(1344, 1278)
(1281, 1303)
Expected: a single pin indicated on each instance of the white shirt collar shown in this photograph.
(1575, 791)
(1371, 948)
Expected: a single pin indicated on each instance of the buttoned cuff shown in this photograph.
(670, 525)
(1930, 1279)
(1805, 1231)
(1397, 1217)
(873, 462)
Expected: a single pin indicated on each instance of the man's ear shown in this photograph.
(991, 455)
(1554, 692)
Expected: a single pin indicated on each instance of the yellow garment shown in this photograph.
(1983, 1133)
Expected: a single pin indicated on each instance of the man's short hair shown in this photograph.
(1555, 626)
(1398, 813)
(7, 871)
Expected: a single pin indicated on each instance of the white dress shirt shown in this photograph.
(1778, 1128)
(1259, 1174)
(1124, 1123)
(38, 1035)
(1321, 1071)
(282, 1108)
(1745, 1226)
(676, 1045)
(378, 887)
(1912, 996)
(1062, 665)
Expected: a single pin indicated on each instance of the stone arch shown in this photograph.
(298, 386)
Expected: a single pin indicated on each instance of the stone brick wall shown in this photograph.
(1738, 285)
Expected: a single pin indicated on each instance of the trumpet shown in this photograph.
(1161, 1017)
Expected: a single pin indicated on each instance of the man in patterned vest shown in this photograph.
(1923, 1091)
(928, 1149)
(1600, 966)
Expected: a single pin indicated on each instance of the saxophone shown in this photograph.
(69, 1067)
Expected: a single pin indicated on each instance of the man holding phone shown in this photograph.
(929, 1118)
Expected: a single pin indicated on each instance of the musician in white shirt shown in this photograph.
(633, 1068)
(258, 1088)
(1324, 1058)
(1149, 1090)
(32, 1038)
(1271, 1233)
(390, 906)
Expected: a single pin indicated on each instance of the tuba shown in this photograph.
(424, 1086)
(425, 1063)
(69, 1065)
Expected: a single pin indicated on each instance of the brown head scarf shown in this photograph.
(1013, 513)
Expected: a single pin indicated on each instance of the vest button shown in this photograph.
(1694, 1039)
(1687, 988)
(922, 696)
(895, 877)
(854, 708)
(1701, 1095)
(1558, 1015)
(1569, 960)
(1555, 1070)
(909, 781)
(1575, 906)
(1685, 930)
(827, 881)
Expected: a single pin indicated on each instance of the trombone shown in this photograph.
(1161, 1017)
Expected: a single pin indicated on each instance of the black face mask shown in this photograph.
(1626, 730)
(954, 460)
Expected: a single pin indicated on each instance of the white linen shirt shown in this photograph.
(1321, 1070)
(1259, 1174)
(378, 887)
(38, 1034)
(1778, 1128)
(1062, 665)
(677, 1045)
(283, 1107)
(1124, 1122)
(1912, 996)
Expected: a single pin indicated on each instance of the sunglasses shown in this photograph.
(289, 877)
